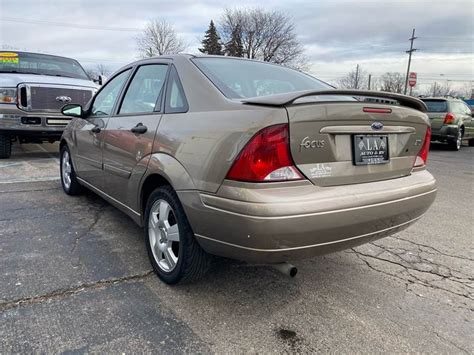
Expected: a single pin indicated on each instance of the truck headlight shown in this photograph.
(7, 95)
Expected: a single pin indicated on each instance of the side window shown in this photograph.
(175, 99)
(105, 100)
(144, 90)
(457, 107)
(467, 109)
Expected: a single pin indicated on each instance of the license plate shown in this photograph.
(370, 149)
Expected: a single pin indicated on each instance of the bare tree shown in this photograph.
(100, 69)
(159, 38)
(356, 79)
(392, 82)
(266, 35)
(440, 90)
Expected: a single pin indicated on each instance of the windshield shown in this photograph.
(30, 63)
(237, 78)
(436, 105)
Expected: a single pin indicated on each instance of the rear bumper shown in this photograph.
(270, 225)
(445, 133)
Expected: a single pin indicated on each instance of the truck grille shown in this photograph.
(52, 98)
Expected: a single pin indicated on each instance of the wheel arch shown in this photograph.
(163, 170)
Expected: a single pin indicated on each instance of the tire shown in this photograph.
(68, 175)
(456, 143)
(471, 142)
(5, 146)
(174, 253)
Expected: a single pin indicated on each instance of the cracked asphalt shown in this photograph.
(75, 278)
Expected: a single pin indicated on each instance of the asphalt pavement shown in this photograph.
(75, 277)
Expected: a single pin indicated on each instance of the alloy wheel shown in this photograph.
(459, 140)
(163, 232)
(66, 169)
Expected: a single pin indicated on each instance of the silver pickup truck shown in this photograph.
(33, 89)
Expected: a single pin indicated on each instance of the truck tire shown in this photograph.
(174, 253)
(5, 146)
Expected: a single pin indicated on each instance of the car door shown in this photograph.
(130, 132)
(89, 131)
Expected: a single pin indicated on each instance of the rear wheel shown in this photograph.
(455, 144)
(68, 175)
(5, 146)
(174, 254)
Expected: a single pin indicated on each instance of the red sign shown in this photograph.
(412, 79)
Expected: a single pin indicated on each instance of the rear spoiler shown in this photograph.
(289, 98)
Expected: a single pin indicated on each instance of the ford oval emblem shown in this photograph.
(63, 99)
(377, 126)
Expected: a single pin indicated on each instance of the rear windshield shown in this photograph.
(237, 78)
(31, 63)
(436, 105)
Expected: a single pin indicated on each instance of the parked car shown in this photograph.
(247, 160)
(451, 121)
(33, 89)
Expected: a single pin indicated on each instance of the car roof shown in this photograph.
(440, 98)
(191, 56)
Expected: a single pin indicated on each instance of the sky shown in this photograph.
(337, 34)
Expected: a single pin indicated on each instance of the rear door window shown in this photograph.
(144, 90)
(175, 98)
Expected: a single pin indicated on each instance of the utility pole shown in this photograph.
(356, 81)
(370, 79)
(409, 58)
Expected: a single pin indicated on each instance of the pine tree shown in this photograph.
(234, 47)
(211, 44)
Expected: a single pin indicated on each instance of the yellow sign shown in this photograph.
(9, 57)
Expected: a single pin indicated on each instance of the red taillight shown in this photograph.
(449, 118)
(266, 157)
(422, 156)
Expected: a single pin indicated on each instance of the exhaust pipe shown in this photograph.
(286, 268)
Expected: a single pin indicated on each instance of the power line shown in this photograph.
(70, 25)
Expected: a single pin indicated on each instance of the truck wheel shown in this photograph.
(174, 253)
(68, 175)
(5, 146)
(456, 143)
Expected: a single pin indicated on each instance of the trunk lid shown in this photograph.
(321, 141)
(324, 125)
(437, 110)
(436, 119)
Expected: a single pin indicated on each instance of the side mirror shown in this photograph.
(73, 110)
(102, 79)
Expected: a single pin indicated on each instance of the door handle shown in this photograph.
(139, 128)
(96, 129)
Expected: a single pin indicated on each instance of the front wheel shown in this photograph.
(174, 253)
(456, 143)
(68, 175)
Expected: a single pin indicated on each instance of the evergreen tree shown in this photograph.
(211, 44)
(234, 47)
